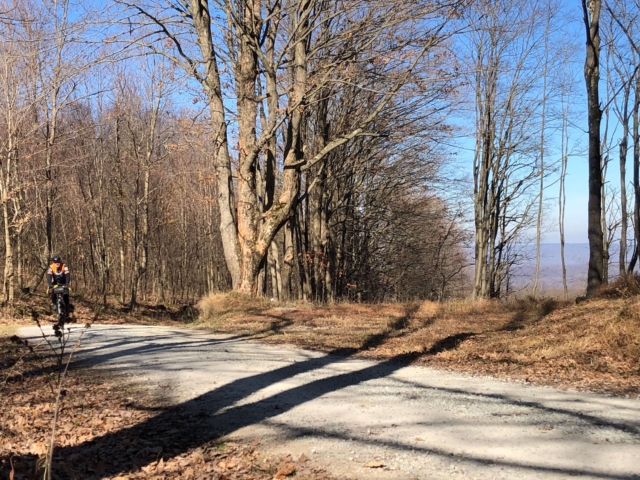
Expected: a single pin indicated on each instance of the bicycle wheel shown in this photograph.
(61, 309)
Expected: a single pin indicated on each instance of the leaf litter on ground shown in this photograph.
(96, 405)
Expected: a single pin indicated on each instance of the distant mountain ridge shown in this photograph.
(576, 257)
(576, 262)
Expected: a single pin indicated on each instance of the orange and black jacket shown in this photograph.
(59, 276)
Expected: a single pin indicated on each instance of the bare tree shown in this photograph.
(327, 119)
(506, 45)
(625, 53)
(562, 196)
(285, 37)
(591, 14)
(543, 146)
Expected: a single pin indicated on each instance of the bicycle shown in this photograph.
(62, 311)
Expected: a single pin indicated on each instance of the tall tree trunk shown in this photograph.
(135, 244)
(123, 270)
(19, 262)
(121, 215)
(623, 188)
(8, 284)
(315, 211)
(328, 266)
(255, 243)
(248, 209)
(636, 173)
(302, 247)
(595, 276)
(274, 270)
(536, 278)
(482, 219)
(141, 233)
(221, 160)
(50, 191)
(6, 187)
(485, 91)
(288, 259)
(542, 155)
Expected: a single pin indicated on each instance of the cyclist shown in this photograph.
(58, 274)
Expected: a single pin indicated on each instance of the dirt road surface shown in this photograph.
(371, 420)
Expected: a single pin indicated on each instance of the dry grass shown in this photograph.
(622, 287)
(220, 305)
(21, 312)
(7, 330)
(594, 345)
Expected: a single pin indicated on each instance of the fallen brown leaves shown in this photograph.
(96, 407)
(594, 345)
(228, 461)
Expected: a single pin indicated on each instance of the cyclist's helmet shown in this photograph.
(56, 259)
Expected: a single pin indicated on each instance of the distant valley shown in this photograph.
(576, 262)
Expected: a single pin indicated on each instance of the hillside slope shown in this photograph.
(594, 345)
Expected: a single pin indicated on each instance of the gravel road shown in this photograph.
(342, 413)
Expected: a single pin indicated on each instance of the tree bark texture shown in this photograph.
(592, 77)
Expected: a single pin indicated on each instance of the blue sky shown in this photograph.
(577, 172)
(576, 207)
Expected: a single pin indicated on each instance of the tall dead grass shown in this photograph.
(623, 287)
(218, 306)
(470, 307)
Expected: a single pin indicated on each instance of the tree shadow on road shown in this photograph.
(449, 343)
(221, 411)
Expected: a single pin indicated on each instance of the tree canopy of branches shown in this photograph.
(510, 70)
(176, 148)
(306, 148)
(269, 70)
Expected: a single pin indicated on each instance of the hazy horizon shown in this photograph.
(576, 264)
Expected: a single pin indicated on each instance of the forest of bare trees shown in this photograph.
(321, 150)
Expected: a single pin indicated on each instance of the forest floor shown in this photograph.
(594, 345)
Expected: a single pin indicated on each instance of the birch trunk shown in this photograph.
(562, 197)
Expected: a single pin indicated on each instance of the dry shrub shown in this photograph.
(624, 287)
(427, 310)
(219, 305)
(539, 307)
